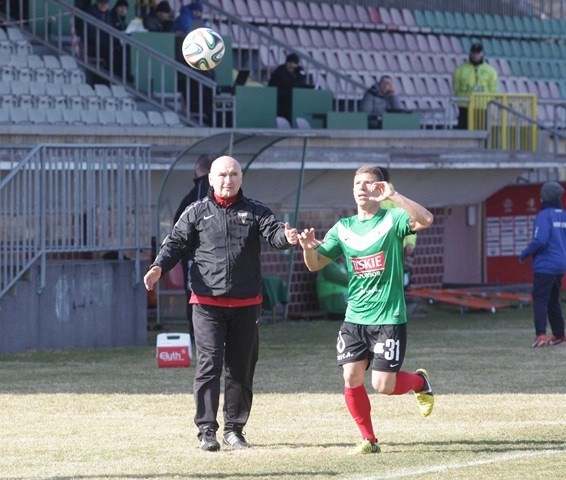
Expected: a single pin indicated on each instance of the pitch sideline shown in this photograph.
(441, 468)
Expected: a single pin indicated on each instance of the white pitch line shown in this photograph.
(441, 468)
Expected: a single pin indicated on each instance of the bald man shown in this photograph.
(222, 234)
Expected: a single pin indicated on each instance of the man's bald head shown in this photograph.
(225, 176)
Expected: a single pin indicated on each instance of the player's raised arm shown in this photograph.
(421, 218)
(313, 260)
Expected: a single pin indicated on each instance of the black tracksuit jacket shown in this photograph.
(224, 244)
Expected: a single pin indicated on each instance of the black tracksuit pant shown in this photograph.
(546, 304)
(229, 336)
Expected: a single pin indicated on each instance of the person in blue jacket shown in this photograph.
(548, 249)
(189, 19)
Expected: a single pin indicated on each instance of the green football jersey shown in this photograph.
(374, 256)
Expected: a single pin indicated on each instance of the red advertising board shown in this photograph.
(509, 217)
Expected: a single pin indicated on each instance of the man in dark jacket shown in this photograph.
(200, 190)
(159, 19)
(286, 77)
(98, 42)
(222, 233)
(548, 249)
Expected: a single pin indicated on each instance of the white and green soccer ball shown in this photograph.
(203, 49)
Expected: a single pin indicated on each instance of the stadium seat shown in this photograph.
(293, 14)
(409, 20)
(267, 10)
(422, 41)
(330, 17)
(431, 20)
(397, 19)
(254, 9)
(172, 119)
(123, 117)
(373, 38)
(89, 117)
(279, 13)
(404, 62)
(302, 123)
(5, 115)
(316, 38)
(329, 39)
(348, 13)
(282, 122)
(316, 14)
(242, 11)
(20, 115)
(106, 117)
(291, 36)
(155, 119)
(330, 59)
(140, 118)
(400, 42)
(353, 40)
(127, 104)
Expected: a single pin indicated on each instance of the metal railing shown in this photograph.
(160, 80)
(509, 129)
(70, 198)
(257, 49)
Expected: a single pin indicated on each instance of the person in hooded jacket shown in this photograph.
(548, 250)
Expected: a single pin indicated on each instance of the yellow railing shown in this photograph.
(508, 131)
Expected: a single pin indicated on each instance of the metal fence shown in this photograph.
(69, 199)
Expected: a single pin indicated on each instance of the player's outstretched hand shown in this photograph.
(308, 240)
(151, 278)
(291, 234)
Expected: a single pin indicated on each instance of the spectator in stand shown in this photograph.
(199, 190)
(159, 19)
(548, 249)
(190, 18)
(475, 75)
(119, 21)
(378, 99)
(98, 42)
(285, 77)
(118, 15)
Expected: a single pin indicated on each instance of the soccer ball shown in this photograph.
(203, 49)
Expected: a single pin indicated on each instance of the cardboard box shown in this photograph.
(173, 350)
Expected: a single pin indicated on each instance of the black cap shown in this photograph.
(292, 57)
(476, 48)
(163, 6)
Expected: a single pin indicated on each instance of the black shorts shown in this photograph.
(382, 345)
